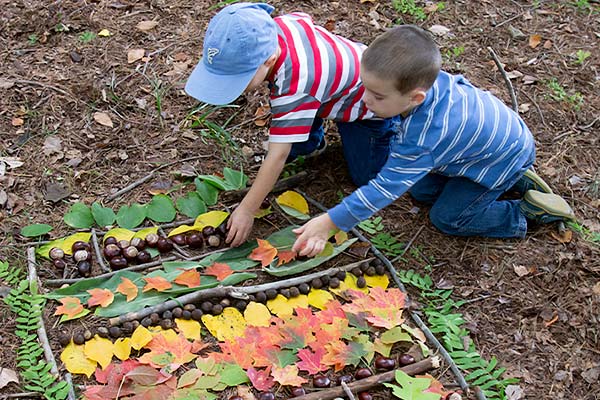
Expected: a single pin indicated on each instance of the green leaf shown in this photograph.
(294, 213)
(79, 216)
(131, 216)
(412, 388)
(161, 209)
(34, 230)
(207, 192)
(216, 182)
(237, 179)
(104, 216)
(191, 205)
(232, 375)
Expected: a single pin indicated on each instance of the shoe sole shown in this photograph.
(549, 203)
(538, 182)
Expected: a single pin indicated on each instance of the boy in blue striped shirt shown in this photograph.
(457, 148)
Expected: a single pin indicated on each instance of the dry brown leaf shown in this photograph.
(521, 270)
(17, 121)
(534, 41)
(103, 119)
(565, 237)
(330, 24)
(262, 115)
(134, 55)
(145, 26)
(547, 44)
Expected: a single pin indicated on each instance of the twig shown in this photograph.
(347, 390)
(363, 384)
(513, 97)
(150, 175)
(508, 20)
(177, 248)
(411, 241)
(537, 107)
(232, 291)
(99, 255)
(21, 395)
(59, 90)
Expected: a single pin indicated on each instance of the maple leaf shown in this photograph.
(189, 278)
(237, 351)
(411, 388)
(265, 252)
(164, 353)
(260, 379)
(220, 270)
(127, 288)
(311, 360)
(100, 297)
(71, 306)
(158, 283)
(340, 354)
(435, 387)
(286, 256)
(287, 375)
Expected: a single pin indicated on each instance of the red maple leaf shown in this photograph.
(71, 306)
(265, 252)
(435, 387)
(287, 375)
(100, 297)
(286, 256)
(383, 308)
(237, 351)
(189, 278)
(158, 283)
(311, 360)
(261, 379)
(163, 352)
(127, 288)
(220, 270)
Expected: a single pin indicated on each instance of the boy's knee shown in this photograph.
(443, 220)
(360, 178)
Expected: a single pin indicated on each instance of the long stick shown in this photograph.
(367, 383)
(99, 255)
(513, 97)
(232, 291)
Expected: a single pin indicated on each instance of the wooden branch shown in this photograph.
(405, 249)
(99, 255)
(222, 291)
(362, 385)
(513, 97)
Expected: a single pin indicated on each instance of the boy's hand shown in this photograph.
(313, 235)
(239, 226)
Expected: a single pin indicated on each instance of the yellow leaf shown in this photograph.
(75, 360)
(67, 243)
(341, 237)
(293, 200)
(348, 283)
(141, 336)
(300, 301)
(227, 326)
(142, 233)
(280, 306)
(382, 348)
(104, 33)
(182, 229)
(211, 218)
(318, 298)
(381, 281)
(122, 348)
(119, 234)
(189, 328)
(100, 350)
(257, 314)
(169, 334)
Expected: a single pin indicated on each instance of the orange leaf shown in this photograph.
(128, 288)
(286, 256)
(220, 270)
(100, 297)
(71, 306)
(261, 116)
(157, 282)
(189, 278)
(534, 41)
(165, 352)
(265, 252)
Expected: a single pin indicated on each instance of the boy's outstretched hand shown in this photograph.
(239, 226)
(313, 235)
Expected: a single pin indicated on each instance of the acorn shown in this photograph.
(214, 240)
(208, 231)
(114, 332)
(271, 294)
(177, 311)
(82, 255)
(341, 275)
(118, 262)
(206, 306)
(321, 381)
(152, 239)
(102, 331)
(197, 314)
(294, 292)
(64, 338)
(124, 243)
(111, 250)
(261, 297)
(178, 239)
(186, 314)
(362, 373)
(143, 257)
(84, 268)
(110, 240)
(138, 243)
(361, 282)
(130, 253)
(217, 309)
(304, 288)
(167, 314)
(80, 245)
(59, 263)
(334, 282)
(78, 339)
(164, 245)
(195, 240)
(189, 307)
(56, 253)
(316, 283)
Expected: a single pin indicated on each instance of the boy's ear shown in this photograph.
(418, 96)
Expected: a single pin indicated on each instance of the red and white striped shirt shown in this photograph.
(316, 75)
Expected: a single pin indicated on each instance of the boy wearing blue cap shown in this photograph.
(457, 148)
(313, 75)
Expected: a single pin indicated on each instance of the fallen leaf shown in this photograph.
(287, 375)
(261, 115)
(17, 121)
(134, 55)
(547, 44)
(257, 314)
(228, 325)
(103, 119)
(140, 337)
(190, 278)
(128, 289)
(75, 360)
(189, 328)
(564, 237)
(157, 283)
(220, 270)
(71, 306)
(100, 350)
(265, 252)
(285, 256)
(7, 376)
(100, 297)
(439, 30)
(534, 41)
(55, 192)
(145, 26)
(293, 200)
(52, 144)
(104, 33)
(122, 348)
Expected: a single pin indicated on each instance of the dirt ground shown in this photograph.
(533, 303)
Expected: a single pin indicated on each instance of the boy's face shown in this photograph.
(382, 98)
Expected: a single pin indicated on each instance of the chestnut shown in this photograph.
(56, 253)
(341, 275)
(168, 314)
(343, 378)
(143, 257)
(102, 331)
(78, 339)
(164, 245)
(124, 243)
(222, 229)
(304, 288)
(265, 204)
(208, 231)
(271, 294)
(152, 239)
(146, 322)
(186, 314)
(225, 302)
(189, 307)
(114, 332)
(214, 240)
(138, 243)
(194, 240)
(298, 391)
(216, 309)
(178, 239)
(285, 292)
(80, 245)
(236, 397)
(87, 334)
(380, 269)
(118, 262)
(166, 324)
(294, 292)
(321, 381)
(334, 282)
(240, 305)
(130, 253)
(84, 268)
(266, 396)
(155, 318)
(177, 311)
(206, 306)
(356, 271)
(362, 373)
(371, 271)
(81, 255)
(111, 250)
(59, 263)
(365, 396)
(64, 338)
(110, 240)
(127, 327)
(361, 282)
(385, 363)
(406, 359)
(316, 283)
(260, 297)
(197, 314)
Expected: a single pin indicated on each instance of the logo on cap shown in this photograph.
(210, 53)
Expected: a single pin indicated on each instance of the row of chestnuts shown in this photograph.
(120, 253)
(82, 257)
(209, 236)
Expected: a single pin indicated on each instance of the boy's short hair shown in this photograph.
(406, 55)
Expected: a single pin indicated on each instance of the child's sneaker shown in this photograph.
(545, 208)
(531, 181)
(318, 151)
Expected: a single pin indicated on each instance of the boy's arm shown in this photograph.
(242, 219)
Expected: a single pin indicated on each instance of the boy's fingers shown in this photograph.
(298, 231)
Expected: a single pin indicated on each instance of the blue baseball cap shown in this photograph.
(238, 40)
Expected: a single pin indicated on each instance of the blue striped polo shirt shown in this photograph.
(458, 131)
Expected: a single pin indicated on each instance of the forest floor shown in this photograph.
(532, 303)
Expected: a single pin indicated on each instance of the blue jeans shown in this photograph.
(366, 146)
(462, 207)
